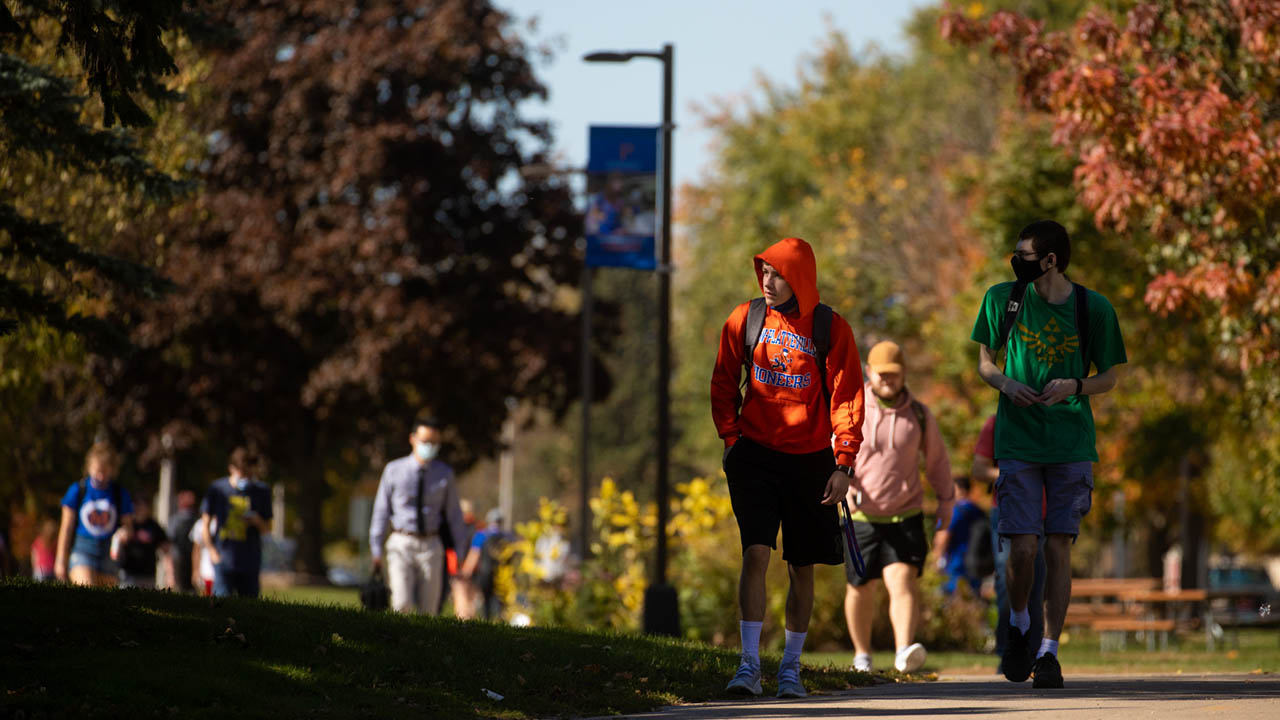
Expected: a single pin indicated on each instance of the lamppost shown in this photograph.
(661, 613)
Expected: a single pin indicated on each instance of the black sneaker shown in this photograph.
(1017, 657)
(1047, 671)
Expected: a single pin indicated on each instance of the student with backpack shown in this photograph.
(482, 562)
(887, 497)
(803, 386)
(1052, 330)
(97, 516)
(967, 556)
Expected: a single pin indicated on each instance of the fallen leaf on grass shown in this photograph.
(592, 668)
(527, 657)
(520, 679)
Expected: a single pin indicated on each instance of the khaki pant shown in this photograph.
(415, 573)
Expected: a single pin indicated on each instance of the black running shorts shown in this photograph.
(884, 544)
(771, 489)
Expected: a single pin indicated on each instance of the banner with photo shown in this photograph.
(622, 188)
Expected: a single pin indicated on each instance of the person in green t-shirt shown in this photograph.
(1044, 435)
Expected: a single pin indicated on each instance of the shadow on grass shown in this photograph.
(111, 653)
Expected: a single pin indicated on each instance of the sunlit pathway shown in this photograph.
(1239, 697)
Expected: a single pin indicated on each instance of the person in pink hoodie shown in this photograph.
(887, 499)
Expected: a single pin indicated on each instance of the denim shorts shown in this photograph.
(1043, 499)
(93, 554)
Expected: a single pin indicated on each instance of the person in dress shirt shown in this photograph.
(417, 501)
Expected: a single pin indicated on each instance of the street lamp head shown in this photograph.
(610, 57)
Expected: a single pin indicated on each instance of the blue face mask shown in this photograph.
(426, 452)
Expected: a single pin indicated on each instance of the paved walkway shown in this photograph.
(1238, 697)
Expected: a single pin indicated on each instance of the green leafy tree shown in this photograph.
(122, 56)
(88, 145)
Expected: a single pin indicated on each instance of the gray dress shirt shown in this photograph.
(394, 508)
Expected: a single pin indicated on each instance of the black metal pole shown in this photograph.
(662, 612)
(664, 324)
(584, 521)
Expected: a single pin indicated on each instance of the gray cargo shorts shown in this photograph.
(1043, 498)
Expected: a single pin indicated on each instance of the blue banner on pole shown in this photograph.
(622, 184)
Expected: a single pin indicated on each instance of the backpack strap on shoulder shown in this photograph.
(917, 409)
(1082, 323)
(750, 336)
(822, 316)
(1011, 310)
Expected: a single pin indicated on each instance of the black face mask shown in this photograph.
(1026, 270)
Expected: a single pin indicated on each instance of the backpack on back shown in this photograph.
(490, 559)
(979, 559)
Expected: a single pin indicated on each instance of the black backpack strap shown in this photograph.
(83, 488)
(1011, 310)
(1082, 323)
(750, 336)
(822, 315)
(918, 409)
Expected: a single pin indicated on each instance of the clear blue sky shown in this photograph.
(720, 47)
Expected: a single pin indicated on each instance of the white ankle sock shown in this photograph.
(750, 632)
(1020, 619)
(795, 644)
(1048, 646)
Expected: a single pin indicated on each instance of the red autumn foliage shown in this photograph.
(1173, 116)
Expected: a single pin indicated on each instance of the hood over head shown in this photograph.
(795, 261)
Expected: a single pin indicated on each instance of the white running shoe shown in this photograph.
(862, 663)
(789, 685)
(910, 658)
(747, 680)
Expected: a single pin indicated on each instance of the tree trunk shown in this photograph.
(308, 501)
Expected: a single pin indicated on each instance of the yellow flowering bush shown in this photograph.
(607, 590)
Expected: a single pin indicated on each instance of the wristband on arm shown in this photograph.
(1079, 386)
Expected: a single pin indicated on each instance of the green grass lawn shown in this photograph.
(115, 653)
(1257, 651)
(315, 595)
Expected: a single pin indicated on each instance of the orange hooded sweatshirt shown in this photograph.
(785, 409)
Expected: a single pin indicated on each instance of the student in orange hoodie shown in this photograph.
(779, 457)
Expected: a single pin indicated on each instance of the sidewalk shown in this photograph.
(1239, 697)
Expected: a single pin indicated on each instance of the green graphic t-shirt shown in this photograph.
(1044, 345)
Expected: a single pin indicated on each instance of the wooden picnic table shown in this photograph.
(1114, 607)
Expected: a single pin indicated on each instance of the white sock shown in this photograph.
(1048, 646)
(750, 632)
(795, 644)
(1020, 619)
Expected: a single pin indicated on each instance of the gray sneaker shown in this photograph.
(747, 680)
(789, 685)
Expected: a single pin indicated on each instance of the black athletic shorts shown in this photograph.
(884, 544)
(771, 489)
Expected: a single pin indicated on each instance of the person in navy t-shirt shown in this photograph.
(241, 507)
(95, 511)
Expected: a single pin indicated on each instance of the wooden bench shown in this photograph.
(1113, 632)
(1084, 614)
